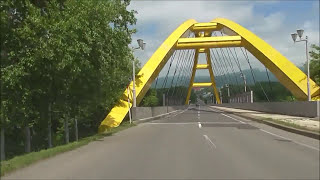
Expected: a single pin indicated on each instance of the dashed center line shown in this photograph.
(199, 124)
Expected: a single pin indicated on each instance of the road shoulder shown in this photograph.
(279, 121)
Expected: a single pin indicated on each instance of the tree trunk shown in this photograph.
(49, 127)
(76, 129)
(3, 154)
(27, 139)
(66, 131)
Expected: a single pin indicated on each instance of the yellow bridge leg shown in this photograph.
(195, 62)
(216, 94)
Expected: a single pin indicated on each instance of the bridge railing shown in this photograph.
(246, 97)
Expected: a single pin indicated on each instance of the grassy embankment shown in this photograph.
(27, 159)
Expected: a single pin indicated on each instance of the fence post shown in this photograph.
(66, 130)
(163, 99)
(27, 139)
(49, 126)
(76, 129)
(3, 154)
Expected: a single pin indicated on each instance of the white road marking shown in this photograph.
(227, 116)
(311, 147)
(215, 110)
(275, 134)
(209, 140)
(233, 118)
(159, 123)
(199, 124)
(194, 123)
(302, 144)
(221, 123)
(180, 112)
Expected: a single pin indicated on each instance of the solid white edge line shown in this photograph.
(209, 140)
(233, 118)
(275, 134)
(192, 123)
(302, 144)
(171, 123)
(227, 116)
(215, 110)
(181, 112)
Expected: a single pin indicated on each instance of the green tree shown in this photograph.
(150, 98)
(62, 59)
(315, 63)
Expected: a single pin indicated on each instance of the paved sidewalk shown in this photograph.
(309, 123)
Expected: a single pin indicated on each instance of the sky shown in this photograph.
(272, 21)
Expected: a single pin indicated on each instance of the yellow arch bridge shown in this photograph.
(237, 36)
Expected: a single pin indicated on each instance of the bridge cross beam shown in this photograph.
(197, 66)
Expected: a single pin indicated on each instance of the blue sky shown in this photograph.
(273, 21)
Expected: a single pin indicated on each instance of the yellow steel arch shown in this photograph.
(286, 72)
(146, 75)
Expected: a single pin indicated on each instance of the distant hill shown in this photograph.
(220, 80)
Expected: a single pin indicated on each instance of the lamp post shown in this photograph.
(245, 82)
(294, 38)
(142, 46)
(227, 86)
(220, 92)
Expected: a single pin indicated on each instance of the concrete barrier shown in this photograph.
(299, 108)
(148, 112)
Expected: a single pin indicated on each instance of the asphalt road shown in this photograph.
(199, 143)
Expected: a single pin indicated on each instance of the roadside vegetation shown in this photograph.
(27, 159)
(173, 96)
(64, 64)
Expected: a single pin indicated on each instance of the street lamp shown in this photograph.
(227, 86)
(245, 81)
(220, 92)
(142, 45)
(294, 38)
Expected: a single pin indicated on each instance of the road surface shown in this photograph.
(198, 143)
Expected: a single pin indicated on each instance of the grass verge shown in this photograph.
(27, 159)
(293, 125)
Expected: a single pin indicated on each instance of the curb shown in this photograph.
(283, 127)
(286, 128)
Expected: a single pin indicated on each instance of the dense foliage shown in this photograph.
(274, 91)
(61, 61)
(173, 95)
(315, 64)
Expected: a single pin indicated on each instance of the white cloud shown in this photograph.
(166, 16)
